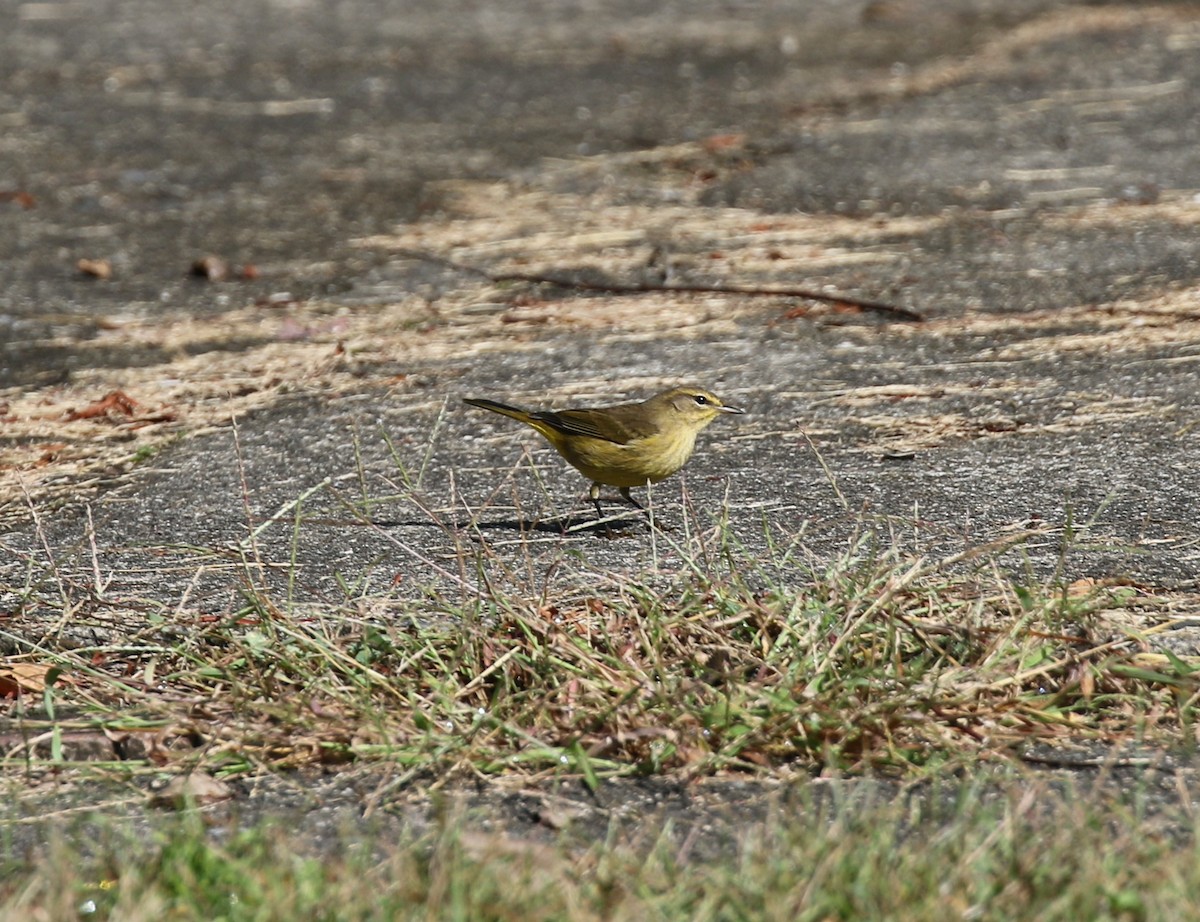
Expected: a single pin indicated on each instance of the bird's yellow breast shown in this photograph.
(651, 458)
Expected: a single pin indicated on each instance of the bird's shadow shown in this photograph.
(570, 526)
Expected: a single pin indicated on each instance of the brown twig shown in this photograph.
(866, 304)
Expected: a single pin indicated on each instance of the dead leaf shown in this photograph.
(194, 790)
(1081, 588)
(114, 402)
(17, 679)
(1087, 684)
(18, 197)
(718, 142)
(96, 268)
(50, 453)
(212, 268)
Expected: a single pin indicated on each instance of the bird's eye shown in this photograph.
(701, 399)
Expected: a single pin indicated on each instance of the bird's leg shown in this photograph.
(625, 493)
(594, 493)
(646, 512)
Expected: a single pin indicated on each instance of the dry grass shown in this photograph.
(761, 663)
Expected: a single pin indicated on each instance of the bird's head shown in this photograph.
(694, 407)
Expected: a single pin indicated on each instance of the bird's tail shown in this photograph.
(502, 408)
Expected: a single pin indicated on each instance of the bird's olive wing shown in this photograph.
(620, 424)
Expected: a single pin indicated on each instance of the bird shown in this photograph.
(627, 445)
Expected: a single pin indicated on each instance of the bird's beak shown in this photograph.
(732, 410)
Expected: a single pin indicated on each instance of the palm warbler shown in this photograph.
(628, 445)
